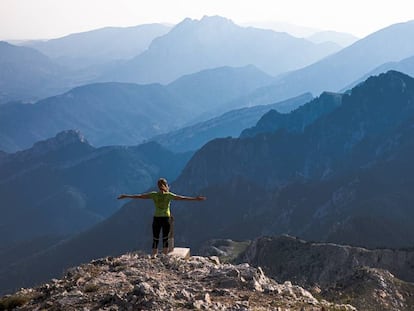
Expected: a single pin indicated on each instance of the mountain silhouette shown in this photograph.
(212, 92)
(337, 71)
(345, 178)
(121, 113)
(211, 42)
(231, 123)
(405, 66)
(26, 74)
(108, 114)
(297, 120)
(99, 46)
(342, 39)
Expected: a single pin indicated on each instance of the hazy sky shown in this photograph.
(30, 19)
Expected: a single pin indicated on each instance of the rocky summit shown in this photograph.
(135, 281)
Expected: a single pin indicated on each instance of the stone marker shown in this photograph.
(181, 252)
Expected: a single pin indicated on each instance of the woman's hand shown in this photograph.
(122, 196)
(201, 198)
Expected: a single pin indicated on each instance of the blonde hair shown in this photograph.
(163, 185)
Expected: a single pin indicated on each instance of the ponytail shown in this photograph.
(163, 185)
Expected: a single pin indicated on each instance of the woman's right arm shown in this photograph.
(134, 196)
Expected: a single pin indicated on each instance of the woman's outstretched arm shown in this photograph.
(134, 196)
(182, 197)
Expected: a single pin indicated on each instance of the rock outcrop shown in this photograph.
(137, 282)
(371, 289)
(378, 279)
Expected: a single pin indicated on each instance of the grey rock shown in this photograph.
(136, 282)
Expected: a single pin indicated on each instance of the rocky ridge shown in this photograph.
(369, 279)
(135, 281)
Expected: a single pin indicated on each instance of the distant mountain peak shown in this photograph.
(70, 136)
(62, 139)
(206, 21)
(392, 79)
(215, 18)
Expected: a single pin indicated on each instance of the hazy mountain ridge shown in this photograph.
(229, 124)
(214, 42)
(315, 35)
(337, 71)
(342, 39)
(337, 181)
(322, 145)
(212, 91)
(108, 114)
(297, 120)
(405, 66)
(100, 45)
(26, 74)
(120, 113)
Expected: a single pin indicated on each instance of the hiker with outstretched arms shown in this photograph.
(161, 221)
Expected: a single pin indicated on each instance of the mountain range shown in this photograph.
(91, 48)
(345, 177)
(231, 123)
(405, 66)
(298, 119)
(109, 114)
(40, 69)
(212, 92)
(311, 34)
(335, 168)
(195, 45)
(26, 74)
(63, 185)
(130, 54)
(342, 39)
(340, 70)
(126, 114)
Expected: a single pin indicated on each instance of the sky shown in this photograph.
(44, 19)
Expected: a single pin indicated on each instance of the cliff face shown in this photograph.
(137, 282)
(379, 279)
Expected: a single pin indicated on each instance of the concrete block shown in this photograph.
(182, 252)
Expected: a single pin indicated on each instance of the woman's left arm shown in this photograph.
(182, 197)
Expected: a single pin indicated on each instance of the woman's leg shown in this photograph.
(165, 234)
(156, 230)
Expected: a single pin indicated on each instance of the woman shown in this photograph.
(162, 200)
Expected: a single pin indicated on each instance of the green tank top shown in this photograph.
(162, 203)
